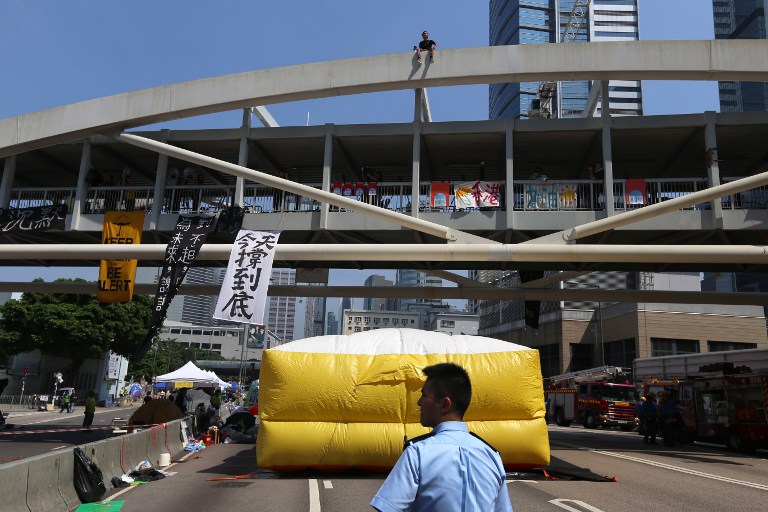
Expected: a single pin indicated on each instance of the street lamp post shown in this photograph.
(598, 313)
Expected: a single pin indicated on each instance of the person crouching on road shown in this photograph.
(449, 469)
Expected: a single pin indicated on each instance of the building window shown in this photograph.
(620, 353)
(719, 346)
(366, 328)
(386, 321)
(206, 346)
(447, 323)
(367, 319)
(217, 346)
(413, 321)
(357, 329)
(673, 347)
(376, 321)
(207, 333)
(358, 319)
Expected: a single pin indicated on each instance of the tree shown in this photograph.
(72, 325)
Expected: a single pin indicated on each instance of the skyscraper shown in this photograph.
(741, 19)
(543, 21)
(281, 311)
(373, 303)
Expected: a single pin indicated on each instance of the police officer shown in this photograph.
(448, 469)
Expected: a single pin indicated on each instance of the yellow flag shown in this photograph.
(116, 276)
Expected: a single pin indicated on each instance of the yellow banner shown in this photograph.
(116, 276)
(183, 384)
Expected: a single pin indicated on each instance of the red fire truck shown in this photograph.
(722, 397)
(596, 397)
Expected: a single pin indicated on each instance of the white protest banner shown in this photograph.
(244, 291)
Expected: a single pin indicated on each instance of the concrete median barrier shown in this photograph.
(66, 479)
(43, 485)
(13, 485)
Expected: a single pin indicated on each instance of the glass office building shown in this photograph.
(543, 21)
(741, 19)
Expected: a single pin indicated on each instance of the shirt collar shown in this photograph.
(450, 425)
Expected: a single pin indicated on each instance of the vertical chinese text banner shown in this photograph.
(244, 291)
(116, 276)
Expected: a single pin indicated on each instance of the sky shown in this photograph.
(57, 52)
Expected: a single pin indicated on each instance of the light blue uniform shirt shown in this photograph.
(450, 471)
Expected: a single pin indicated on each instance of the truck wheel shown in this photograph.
(737, 444)
(590, 421)
(560, 419)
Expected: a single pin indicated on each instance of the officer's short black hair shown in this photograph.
(451, 380)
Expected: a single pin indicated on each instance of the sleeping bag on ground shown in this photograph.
(338, 402)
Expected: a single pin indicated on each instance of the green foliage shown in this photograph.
(72, 325)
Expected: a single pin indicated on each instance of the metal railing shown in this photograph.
(528, 195)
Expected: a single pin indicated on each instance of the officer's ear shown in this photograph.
(446, 404)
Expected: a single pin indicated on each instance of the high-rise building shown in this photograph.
(427, 308)
(514, 22)
(741, 19)
(373, 303)
(281, 311)
(346, 303)
(332, 325)
(199, 309)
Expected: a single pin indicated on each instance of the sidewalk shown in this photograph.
(189, 488)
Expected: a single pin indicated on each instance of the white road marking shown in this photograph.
(59, 447)
(710, 476)
(314, 496)
(526, 481)
(55, 419)
(327, 484)
(584, 506)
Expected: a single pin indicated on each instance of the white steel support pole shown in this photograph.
(80, 193)
(242, 157)
(605, 114)
(6, 185)
(509, 161)
(415, 178)
(426, 112)
(713, 168)
(327, 164)
(432, 228)
(418, 94)
(457, 252)
(158, 200)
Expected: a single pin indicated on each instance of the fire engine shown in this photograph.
(595, 397)
(722, 397)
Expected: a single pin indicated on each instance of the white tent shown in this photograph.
(219, 383)
(191, 373)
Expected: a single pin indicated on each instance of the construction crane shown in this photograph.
(541, 106)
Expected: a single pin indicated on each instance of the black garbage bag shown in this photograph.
(89, 481)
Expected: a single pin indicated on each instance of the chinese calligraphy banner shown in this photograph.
(36, 218)
(184, 246)
(477, 194)
(116, 276)
(244, 291)
(440, 192)
(564, 196)
(636, 192)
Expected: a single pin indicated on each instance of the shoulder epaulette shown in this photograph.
(408, 442)
(483, 440)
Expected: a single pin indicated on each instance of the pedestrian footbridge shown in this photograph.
(679, 192)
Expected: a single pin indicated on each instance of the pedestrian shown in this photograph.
(537, 175)
(640, 414)
(90, 410)
(449, 468)
(71, 404)
(148, 397)
(64, 402)
(649, 419)
(181, 400)
(425, 45)
(216, 400)
(668, 418)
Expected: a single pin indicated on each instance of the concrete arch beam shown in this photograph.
(745, 60)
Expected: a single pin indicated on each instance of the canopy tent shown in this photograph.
(220, 383)
(191, 373)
